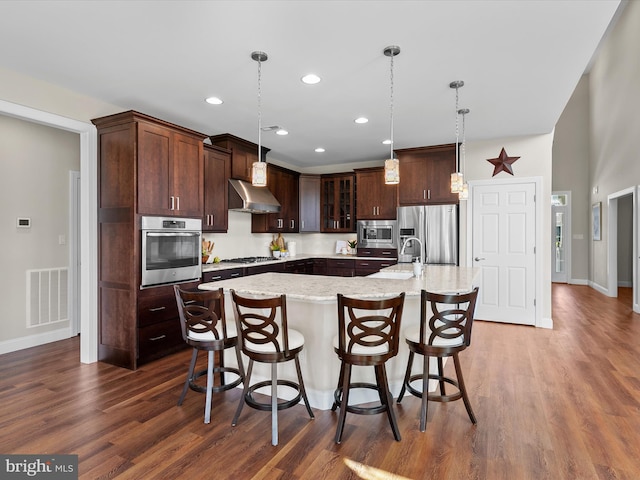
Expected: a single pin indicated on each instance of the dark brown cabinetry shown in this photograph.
(375, 200)
(217, 171)
(170, 171)
(309, 203)
(378, 252)
(283, 184)
(141, 162)
(299, 266)
(337, 194)
(339, 267)
(425, 175)
(243, 154)
(222, 274)
(366, 267)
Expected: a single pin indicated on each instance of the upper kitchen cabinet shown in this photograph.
(283, 184)
(375, 200)
(243, 154)
(337, 195)
(309, 203)
(170, 170)
(425, 175)
(217, 170)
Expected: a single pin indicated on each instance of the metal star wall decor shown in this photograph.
(502, 163)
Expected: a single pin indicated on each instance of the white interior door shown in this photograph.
(504, 247)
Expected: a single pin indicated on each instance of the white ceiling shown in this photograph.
(520, 61)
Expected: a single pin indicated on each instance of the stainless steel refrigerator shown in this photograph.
(436, 227)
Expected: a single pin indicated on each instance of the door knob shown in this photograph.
(477, 259)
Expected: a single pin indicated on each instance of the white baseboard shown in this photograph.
(545, 323)
(29, 341)
(625, 284)
(599, 288)
(579, 281)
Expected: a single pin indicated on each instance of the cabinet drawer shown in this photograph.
(156, 309)
(160, 339)
(340, 267)
(378, 252)
(222, 275)
(367, 267)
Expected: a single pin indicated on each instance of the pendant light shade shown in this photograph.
(463, 192)
(457, 179)
(391, 165)
(391, 171)
(259, 168)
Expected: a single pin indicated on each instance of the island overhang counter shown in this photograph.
(312, 310)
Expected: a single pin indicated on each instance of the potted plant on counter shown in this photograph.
(352, 245)
(275, 250)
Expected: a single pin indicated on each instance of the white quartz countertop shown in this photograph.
(320, 288)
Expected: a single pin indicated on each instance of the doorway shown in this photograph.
(88, 213)
(504, 236)
(561, 237)
(622, 245)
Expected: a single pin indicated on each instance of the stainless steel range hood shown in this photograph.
(244, 197)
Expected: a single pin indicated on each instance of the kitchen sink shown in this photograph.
(392, 275)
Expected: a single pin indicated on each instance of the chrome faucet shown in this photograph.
(417, 240)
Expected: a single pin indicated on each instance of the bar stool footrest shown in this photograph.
(216, 388)
(435, 397)
(266, 406)
(373, 410)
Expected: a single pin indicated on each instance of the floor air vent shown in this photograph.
(47, 296)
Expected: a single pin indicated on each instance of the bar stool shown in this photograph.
(205, 328)
(445, 333)
(266, 338)
(368, 335)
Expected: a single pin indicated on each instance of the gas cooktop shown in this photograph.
(247, 260)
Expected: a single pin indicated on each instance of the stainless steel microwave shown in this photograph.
(377, 233)
(171, 250)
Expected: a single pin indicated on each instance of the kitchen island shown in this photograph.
(312, 310)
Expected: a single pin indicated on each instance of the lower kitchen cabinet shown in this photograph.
(271, 267)
(366, 267)
(159, 332)
(319, 266)
(338, 267)
(222, 274)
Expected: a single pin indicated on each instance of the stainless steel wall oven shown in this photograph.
(171, 250)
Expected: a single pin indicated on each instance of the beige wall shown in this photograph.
(614, 124)
(571, 173)
(35, 162)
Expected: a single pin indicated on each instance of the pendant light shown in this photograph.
(463, 194)
(259, 168)
(391, 165)
(457, 179)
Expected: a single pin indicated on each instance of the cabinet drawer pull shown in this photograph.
(235, 274)
(157, 309)
(159, 337)
(386, 253)
(215, 278)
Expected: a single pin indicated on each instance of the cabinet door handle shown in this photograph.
(159, 337)
(424, 194)
(429, 194)
(173, 202)
(293, 224)
(157, 309)
(177, 203)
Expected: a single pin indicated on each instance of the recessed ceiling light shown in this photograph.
(213, 100)
(311, 79)
(361, 120)
(282, 131)
(319, 150)
(386, 142)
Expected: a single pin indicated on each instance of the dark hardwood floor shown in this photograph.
(551, 404)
